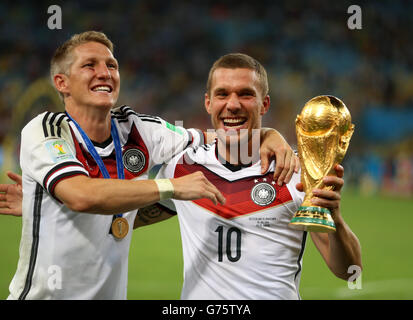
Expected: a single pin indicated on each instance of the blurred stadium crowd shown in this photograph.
(165, 49)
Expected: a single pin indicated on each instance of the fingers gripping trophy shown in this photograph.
(323, 130)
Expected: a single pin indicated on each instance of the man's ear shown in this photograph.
(265, 105)
(207, 103)
(61, 82)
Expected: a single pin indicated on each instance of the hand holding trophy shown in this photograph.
(324, 130)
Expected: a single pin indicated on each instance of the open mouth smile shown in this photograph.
(234, 122)
(102, 88)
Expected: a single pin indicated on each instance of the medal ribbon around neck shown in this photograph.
(92, 150)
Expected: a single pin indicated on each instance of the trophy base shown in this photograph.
(313, 219)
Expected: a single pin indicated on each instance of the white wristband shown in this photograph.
(165, 187)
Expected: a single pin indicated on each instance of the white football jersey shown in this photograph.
(72, 255)
(244, 249)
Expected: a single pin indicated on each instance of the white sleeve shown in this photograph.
(166, 171)
(47, 152)
(298, 196)
(167, 140)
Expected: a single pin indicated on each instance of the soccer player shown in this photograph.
(244, 249)
(80, 171)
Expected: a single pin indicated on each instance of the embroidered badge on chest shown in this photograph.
(263, 193)
(134, 160)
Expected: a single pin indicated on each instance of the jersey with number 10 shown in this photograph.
(244, 249)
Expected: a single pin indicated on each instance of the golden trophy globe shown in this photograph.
(324, 130)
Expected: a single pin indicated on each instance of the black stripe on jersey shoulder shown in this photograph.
(59, 122)
(148, 117)
(44, 121)
(126, 108)
(123, 114)
(150, 120)
(300, 256)
(126, 111)
(51, 123)
(51, 129)
(206, 147)
(123, 117)
(57, 168)
(38, 197)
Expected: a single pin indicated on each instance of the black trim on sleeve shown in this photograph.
(61, 177)
(301, 254)
(35, 243)
(58, 167)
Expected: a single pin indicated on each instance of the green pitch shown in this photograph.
(382, 224)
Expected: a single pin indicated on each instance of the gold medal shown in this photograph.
(120, 228)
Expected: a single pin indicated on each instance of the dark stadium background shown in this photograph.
(165, 49)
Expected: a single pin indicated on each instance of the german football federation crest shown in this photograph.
(263, 194)
(134, 160)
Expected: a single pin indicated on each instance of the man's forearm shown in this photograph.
(345, 250)
(106, 196)
(264, 131)
(111, 196)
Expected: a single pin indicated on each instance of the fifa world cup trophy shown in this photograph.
(324, 130)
